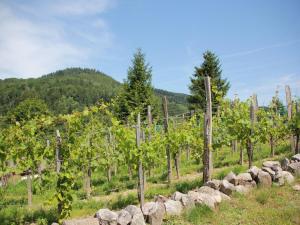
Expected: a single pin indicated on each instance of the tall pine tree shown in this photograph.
(210, 67)
(137, 91)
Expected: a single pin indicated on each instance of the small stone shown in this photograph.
(296, 187)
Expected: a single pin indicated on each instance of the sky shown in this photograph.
(257, 42)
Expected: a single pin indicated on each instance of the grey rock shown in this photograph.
(185, 200)
(244, 178)
(160, 198)
(226, 187)
(296, 157)
(212, 192)
(254, 172)
(215, 184)
(288, 177)
(231, 178)
(242, 189)
(173, 207)
(264, 179)
(296, 187)
(154, 212)
(294, 168)
(124, 217)
(207, 200)
(269, 171)
(137, 215)
(269, 164)
(285, 163)
(107, 217)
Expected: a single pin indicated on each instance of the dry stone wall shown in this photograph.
(210, 194)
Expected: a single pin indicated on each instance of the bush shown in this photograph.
(122, 201)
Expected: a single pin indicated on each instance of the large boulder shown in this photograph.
(215, 184)
(226, 187)
(154, 212)
(244, 178)
(242, 189)
(270, 163)
(288, 177)
(206, 199)
(173, 207)
(285, 163)
(124, 217)
(264, 179)
(212, 192)
(107, 217)
(294, 168)
(85, 221)
(231, 178)
(254, 172)
(269, 171)
(136, 215)
(296, 157)
(185, 200)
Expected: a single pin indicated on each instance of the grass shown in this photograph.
(262, 206)
(120, 191)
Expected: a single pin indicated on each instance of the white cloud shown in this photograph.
(30, 47)
(80, 7)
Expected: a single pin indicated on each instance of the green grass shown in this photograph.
(15, 195)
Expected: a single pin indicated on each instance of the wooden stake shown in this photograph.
(57, 151)
(207, 155)
(166, 126)
(289, 108)
(140, 166)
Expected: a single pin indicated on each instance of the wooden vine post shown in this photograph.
(140, 165)
(253, 118)
(149, 121)
(57, 151)
(207, 155)
(289, 109)
(166, 126)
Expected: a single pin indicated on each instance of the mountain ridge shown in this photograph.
(72, 89)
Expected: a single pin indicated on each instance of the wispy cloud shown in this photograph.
(252, 51)
(35, 41)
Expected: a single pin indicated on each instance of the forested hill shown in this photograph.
(70, 89)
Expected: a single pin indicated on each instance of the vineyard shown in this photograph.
(74, 164)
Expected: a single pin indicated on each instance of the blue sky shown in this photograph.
(258, 42)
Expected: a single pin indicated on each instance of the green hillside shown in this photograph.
(71, 89)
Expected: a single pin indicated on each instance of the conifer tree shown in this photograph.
(137, 91)
(211, 67)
